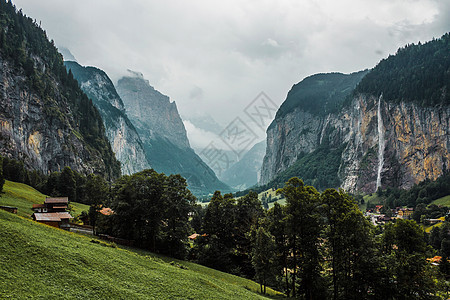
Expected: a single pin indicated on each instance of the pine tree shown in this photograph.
(304, 226)
(263, 257)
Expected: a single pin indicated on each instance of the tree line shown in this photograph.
(317, 246)
(416, 73)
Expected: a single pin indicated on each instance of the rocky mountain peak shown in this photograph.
(146, 105)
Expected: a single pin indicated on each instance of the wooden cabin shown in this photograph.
(53, 212)
(56, 204)
(39, 208)
(55, 219)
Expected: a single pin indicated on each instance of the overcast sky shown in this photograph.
(215, 57)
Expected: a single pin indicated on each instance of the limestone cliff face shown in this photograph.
(152, 110)
(43, 132)
(122, 135)
(416, 142)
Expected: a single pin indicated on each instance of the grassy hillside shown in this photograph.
(39, 261)
(23, 197)
(45, 262)
(445, 201)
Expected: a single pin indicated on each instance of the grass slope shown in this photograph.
(444, 201)
(39, 261)
(23, 197)
(44, 262)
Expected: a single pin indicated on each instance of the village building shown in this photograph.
(378, 208)
(55, 219)
(405, 213)
(106, 211)
(39, 208)
(53, 212)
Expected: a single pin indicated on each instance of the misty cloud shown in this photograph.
(217, 56)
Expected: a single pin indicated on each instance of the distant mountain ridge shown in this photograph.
(245, 173)
(122, 135)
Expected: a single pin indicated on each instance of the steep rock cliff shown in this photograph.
(122, 135)
(300, 128)
(392, 130)
(45, 119)
(150, 109)
(416, 143)
(163, 135)
(43, 133)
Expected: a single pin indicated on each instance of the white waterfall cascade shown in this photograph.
(381, 142)
(324, 128)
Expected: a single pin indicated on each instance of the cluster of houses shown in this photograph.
(53, 212)
(396, 213)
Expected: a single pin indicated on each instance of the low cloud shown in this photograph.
(216, 56)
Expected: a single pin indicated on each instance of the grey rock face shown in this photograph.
(121, 134)
(417, 142)
(44, 139)
(152, 110)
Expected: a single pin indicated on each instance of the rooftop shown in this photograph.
(106, 211)
(55, 216)
(38, 205)
(64, 200)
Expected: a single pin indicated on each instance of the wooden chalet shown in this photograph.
(55, 219)
(53, 212)
(39, 208)
(57, 204)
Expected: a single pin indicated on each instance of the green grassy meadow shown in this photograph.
(444, 201)
(23, 197)
(42, 262)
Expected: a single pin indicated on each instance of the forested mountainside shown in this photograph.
(392, 130)
(45, 119)
(163, 134)
(122, 135)
(320, 93)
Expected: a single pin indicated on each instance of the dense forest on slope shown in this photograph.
(318, 168)
(416, 73)
(26, 47)
(423, 193)
(320, 93)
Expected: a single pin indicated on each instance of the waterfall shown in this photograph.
(381, 142)
(323, 128)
